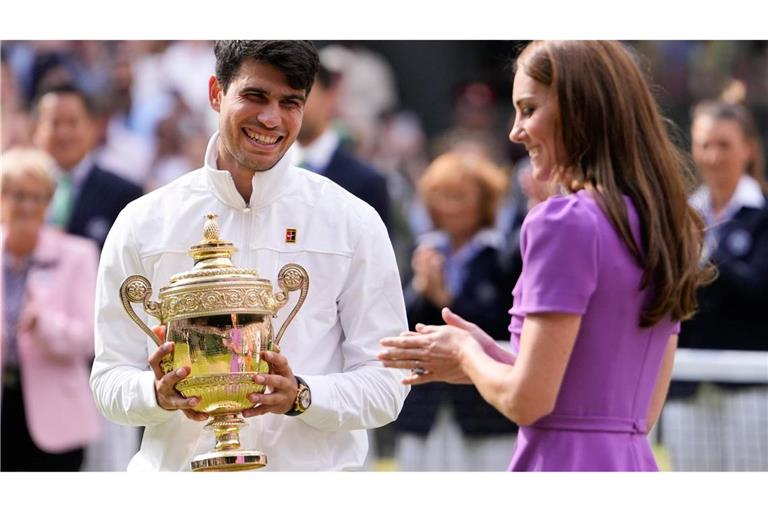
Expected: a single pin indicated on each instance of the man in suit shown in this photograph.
(88, 198)
(322, 152)
(87, 201)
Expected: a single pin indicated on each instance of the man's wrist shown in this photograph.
(303, 399)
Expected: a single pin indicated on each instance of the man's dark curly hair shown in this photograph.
(298, 60)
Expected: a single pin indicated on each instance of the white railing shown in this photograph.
(720, 365)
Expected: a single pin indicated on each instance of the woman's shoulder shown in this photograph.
(576, 213)
(55, 240)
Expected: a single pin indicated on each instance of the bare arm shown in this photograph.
(524, 391)
(662, 382)
(527, 390)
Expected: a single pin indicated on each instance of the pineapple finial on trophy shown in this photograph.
(211, 228)
(212, 251)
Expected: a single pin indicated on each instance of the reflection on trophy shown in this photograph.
(219, 320)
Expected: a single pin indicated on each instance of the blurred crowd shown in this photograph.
(112, 120)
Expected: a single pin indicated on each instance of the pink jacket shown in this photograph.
(54, 356)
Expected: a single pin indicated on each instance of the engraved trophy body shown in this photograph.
(219, 318)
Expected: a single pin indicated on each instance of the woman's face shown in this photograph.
(720, 150)
(456, 208)
(535, 116)
(25, 199)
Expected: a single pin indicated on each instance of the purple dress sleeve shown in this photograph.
(560, 247)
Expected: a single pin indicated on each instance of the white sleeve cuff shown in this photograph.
(321, 414)
(146, 406)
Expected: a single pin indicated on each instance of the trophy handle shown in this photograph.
(290, 278)
(136, 288)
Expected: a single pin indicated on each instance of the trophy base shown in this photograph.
(234, 460)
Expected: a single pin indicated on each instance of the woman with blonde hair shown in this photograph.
(609, 270)
(48, 284)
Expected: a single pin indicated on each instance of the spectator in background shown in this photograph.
(474, 130)
(322, 151)
(88, 198)
(724, 427)
(444, 427)
(48, 285)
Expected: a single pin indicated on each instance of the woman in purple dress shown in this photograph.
(609, 270)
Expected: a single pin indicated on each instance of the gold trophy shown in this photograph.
(218, 317)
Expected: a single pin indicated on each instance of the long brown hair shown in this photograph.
(616, 142)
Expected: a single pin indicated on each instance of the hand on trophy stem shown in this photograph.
(165, 383)
(282, 384)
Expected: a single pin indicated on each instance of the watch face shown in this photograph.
(304, 398)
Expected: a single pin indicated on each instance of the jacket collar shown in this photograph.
(318, 155)
(268, 185)
(747, 195)
(486, 237)
(80, 171)
(47, 251)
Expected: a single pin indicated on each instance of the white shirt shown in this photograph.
(317, 155)
(354, 299)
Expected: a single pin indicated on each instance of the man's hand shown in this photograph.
(165, 392)
(282, 386)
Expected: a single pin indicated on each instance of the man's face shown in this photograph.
(259, 117)
(64, 128)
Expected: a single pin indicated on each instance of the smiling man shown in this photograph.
(275, 214)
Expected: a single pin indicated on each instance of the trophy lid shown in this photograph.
(214, 285)
(212, 253)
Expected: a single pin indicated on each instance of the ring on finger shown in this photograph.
(418, 370)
